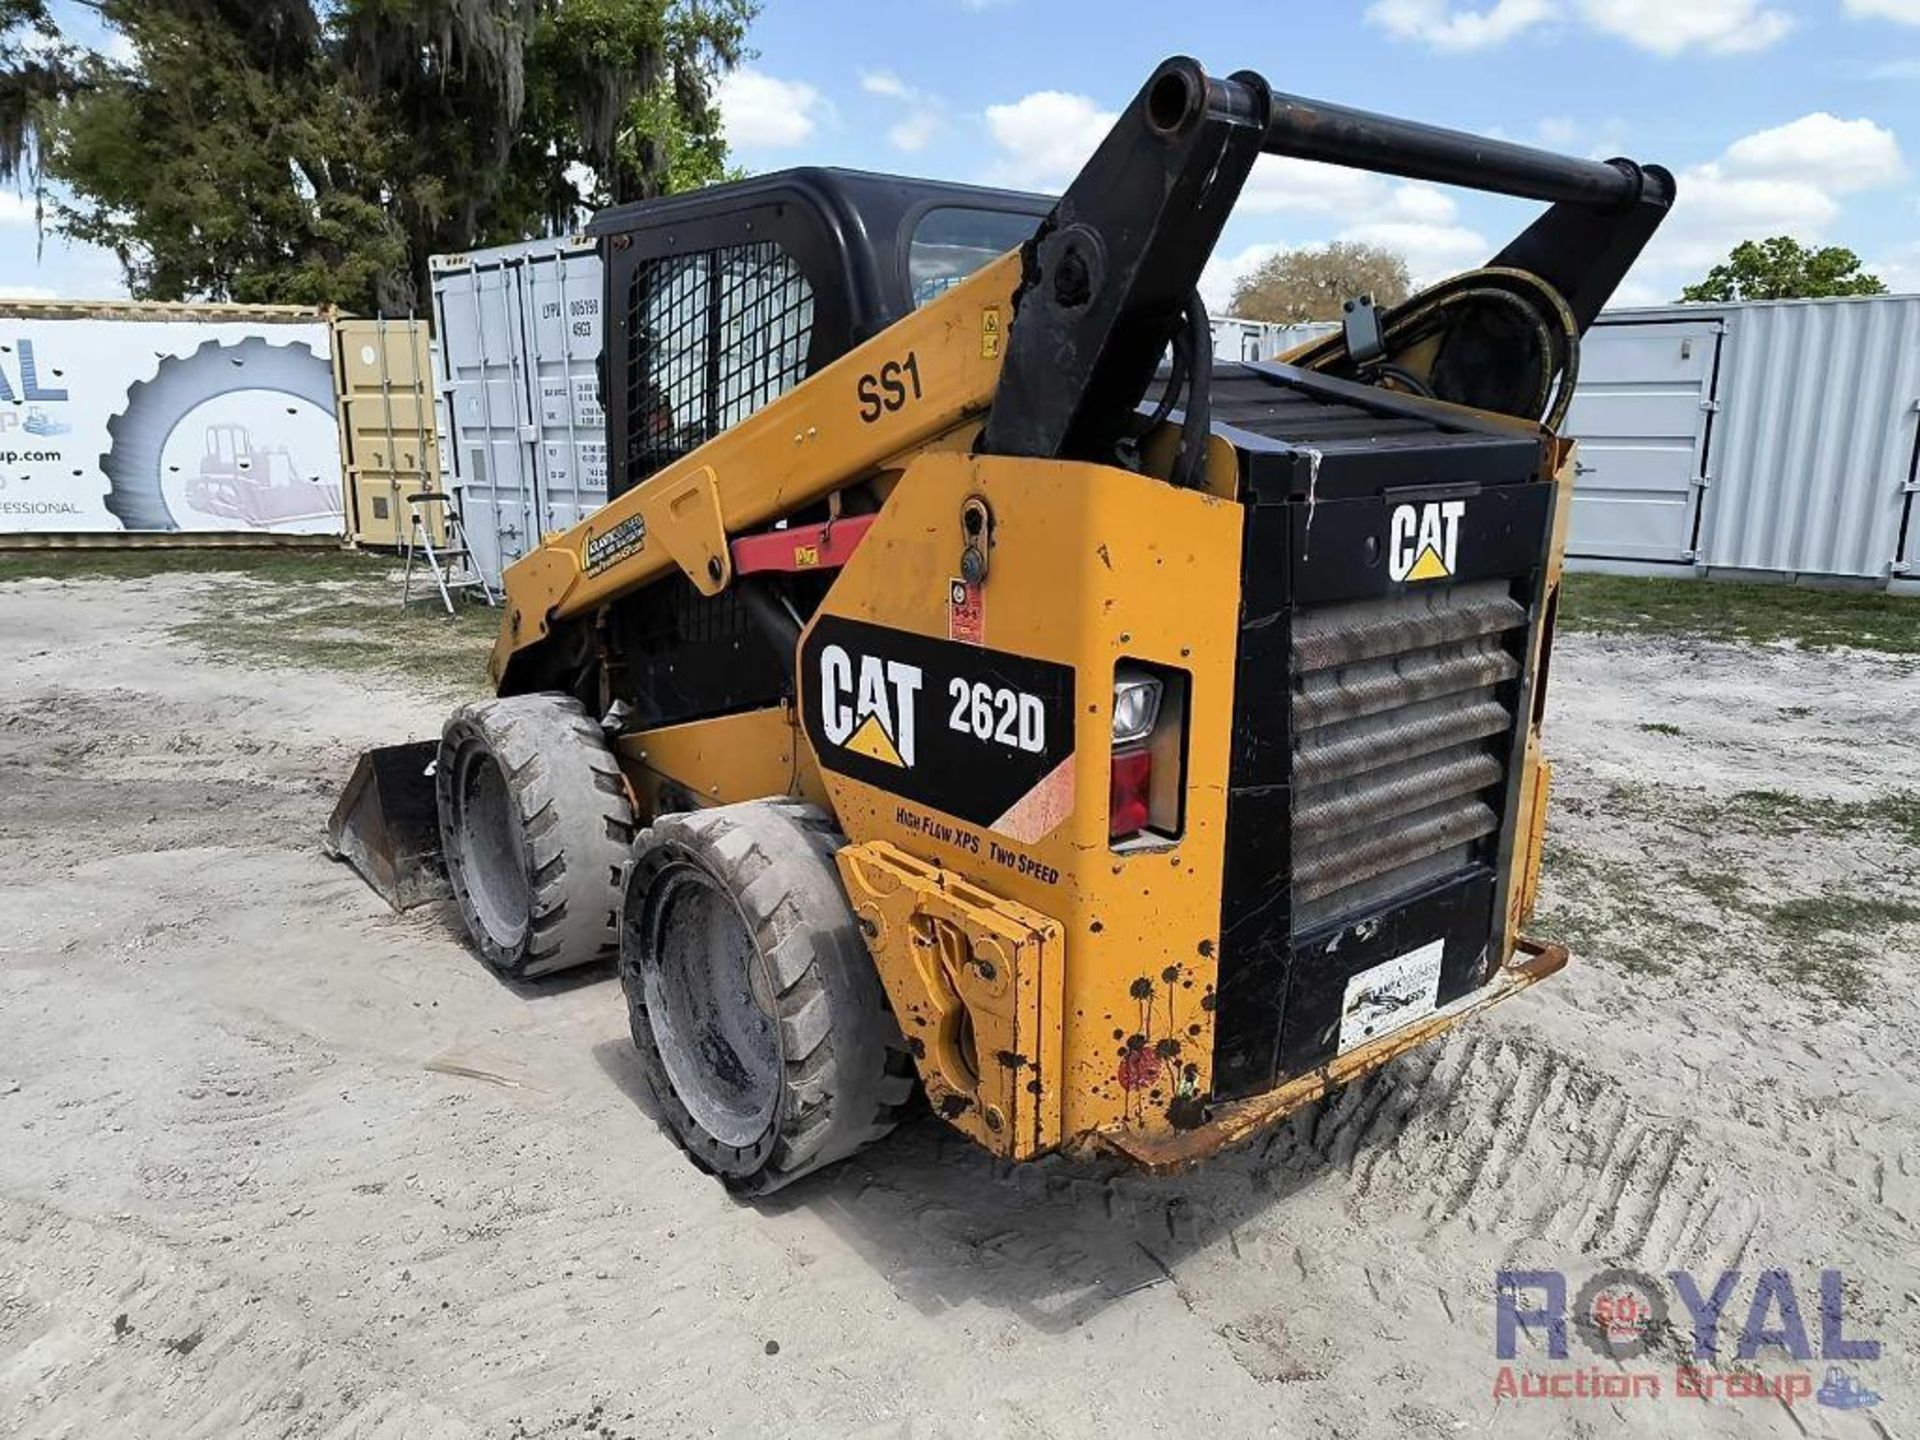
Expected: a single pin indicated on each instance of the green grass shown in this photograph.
(1661, 727)
(1635, 917)
(1758, 614)
(1722, 887)
(339, 629)
(1815, 916)
(281, 565)
(1780, 812)
(318, 609)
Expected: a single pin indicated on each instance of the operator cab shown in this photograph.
(726, 298)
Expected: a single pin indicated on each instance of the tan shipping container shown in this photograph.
(388, 449)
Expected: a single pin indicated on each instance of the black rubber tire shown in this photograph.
(843, 1076)
(536, 829)
(180, 384)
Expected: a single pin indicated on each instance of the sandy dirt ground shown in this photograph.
(275, 1161)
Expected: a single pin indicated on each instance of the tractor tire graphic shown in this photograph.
(135, 463)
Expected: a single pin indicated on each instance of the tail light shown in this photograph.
(1130, 796)
(1146, 777)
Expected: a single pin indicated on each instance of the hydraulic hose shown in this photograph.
(1195, 427)
(1444, 313)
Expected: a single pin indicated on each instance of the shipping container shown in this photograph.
(516, 346)
(1775, 439)
(214, 422)
(1238, 339)
(388, 448)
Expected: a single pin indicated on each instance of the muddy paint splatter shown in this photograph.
(1138, 1069)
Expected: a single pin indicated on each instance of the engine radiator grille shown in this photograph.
(1400, 734)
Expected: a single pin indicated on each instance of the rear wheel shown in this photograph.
(760, 1021)
(535, 826)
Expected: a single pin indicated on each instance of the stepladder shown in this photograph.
(450, 563)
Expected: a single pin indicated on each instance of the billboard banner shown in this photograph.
(167, 425)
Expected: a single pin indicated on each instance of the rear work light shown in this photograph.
(1149, 754)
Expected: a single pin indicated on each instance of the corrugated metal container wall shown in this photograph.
(1812, 458)
(388, 449)
(1292, 337)
(517, 337)
(1237, 339)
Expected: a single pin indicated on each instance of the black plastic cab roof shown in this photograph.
(868, 218)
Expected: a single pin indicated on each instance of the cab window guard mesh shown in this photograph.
(713, 336)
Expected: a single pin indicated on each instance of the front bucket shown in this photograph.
(387, 825)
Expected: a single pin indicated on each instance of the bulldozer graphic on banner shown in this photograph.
(256, 485)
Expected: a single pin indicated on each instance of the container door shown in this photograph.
(560, 297)
(1643, 414)
(386, 425)
(487, 457)
(1906, 560)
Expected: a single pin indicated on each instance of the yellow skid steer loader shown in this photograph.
(973, 686)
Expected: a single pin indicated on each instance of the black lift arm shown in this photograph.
(1110, 274)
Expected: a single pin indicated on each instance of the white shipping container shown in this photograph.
(1777, 438)
(1237, 339)
(118, 417)
(523, 436)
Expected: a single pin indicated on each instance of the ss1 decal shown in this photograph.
(889, 388)
(964, 730)
(617, 543)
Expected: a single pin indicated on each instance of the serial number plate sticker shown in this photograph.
(1391, 994)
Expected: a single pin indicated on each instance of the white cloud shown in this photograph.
(1781, 181)
(15, 208)
(1045, 138)
(758, 110)
(1637, 292)
(1282, 183)
(1667, 27)
(1224, 272)
(1907, 12)
(1559, 132)
(885, 82)
(1715, 212)
(925, 119)
(9, 291)
(1432, 252)
(1823, 150)
(119, 49)
(1900, 268)
(1423, 203)
(913, 133)
(1453, 28)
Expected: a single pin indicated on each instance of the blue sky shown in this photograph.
(1779, 116)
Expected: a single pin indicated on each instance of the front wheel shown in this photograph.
(760, 1021)
(535, 825)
